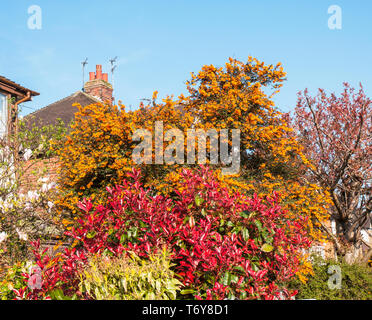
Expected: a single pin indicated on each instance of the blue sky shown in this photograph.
(160, 42)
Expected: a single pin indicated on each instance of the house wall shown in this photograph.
(325, 249)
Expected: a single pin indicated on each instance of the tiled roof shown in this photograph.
(61, 109)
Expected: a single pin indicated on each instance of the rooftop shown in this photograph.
(61, 109)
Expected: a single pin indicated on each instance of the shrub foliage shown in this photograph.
(130, 278)
(356, 282)
(222, 245)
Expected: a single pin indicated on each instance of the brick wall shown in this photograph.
(30, 181)
(36, 169)
(99, 89)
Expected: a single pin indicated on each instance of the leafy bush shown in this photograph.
(356, 282)
(223, 245)
(39, 138)
(130, 278)
(51, 277)
(11, 280)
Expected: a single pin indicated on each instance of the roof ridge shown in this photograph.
(90, 96)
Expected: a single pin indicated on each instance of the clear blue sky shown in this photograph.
(160, 42)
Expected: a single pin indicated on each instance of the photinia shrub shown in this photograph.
(223, 244)
(49, 275)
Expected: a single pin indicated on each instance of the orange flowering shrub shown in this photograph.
(98, 151)
(271, 159)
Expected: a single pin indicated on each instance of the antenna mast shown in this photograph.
(113, 67)
(84, 63)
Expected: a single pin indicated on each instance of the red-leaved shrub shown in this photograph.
(224, 245)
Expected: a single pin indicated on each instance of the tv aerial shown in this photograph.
(113, 67)
(84, 63)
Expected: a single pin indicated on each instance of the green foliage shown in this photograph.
(356, 282)
(130, 278)
(40, 138)
(57, 294)
(10, 279)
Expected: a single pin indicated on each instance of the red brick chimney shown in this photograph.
(98, 85)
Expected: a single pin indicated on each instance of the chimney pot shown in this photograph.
(98, 71)
(92, 75)
(105, 77)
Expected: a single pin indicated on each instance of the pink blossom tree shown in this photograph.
(336, 132)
